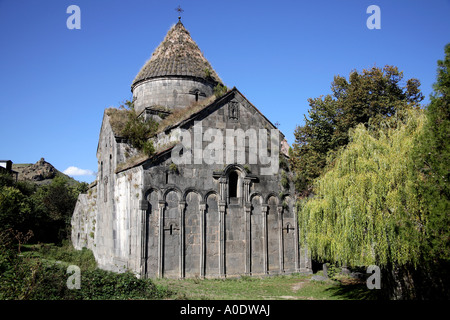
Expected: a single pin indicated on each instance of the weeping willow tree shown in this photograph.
(365, 209)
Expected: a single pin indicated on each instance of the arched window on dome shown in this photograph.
(197, 93)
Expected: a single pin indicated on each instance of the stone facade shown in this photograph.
(218, 215)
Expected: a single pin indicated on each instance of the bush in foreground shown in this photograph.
(42, 275)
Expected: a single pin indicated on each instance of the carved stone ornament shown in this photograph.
(233, 110)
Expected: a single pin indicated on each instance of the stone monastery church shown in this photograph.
(214, 200)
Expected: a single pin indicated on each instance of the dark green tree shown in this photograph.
(385, 198)
(15, 208)
(370, 96)
(53, 207)
(432, 160)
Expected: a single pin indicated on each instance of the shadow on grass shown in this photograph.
(351, 289)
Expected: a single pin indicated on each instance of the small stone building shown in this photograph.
(215, 200)
(6, 168)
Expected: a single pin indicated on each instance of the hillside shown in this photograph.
(41, 172)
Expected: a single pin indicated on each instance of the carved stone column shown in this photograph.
(264, 208)
(222, 238)
(143, 207)
(223, 188)
(280, 237)
(248, 239)
(246, 190)
(161, 206)
(202, 240)
(297, 240)
(181, 206)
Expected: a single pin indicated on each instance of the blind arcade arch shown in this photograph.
(202, 236)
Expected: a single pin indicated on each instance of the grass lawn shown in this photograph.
(289, 287)
(284, 287)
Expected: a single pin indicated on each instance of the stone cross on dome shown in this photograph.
(180, 11)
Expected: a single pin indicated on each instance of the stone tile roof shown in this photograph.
(177, 55)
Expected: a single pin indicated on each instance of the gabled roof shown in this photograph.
(193, 115)
(177, 55)
(190, 117)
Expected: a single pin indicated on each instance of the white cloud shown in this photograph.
(74, 171)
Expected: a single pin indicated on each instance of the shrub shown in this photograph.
(43, 278)
(14, 208)
(139, 131)
(128, 123)
(284, 180)
(82, 258)
(173, 168)
(220, 90)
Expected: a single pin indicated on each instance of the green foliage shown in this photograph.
(207, 73)
(371, 96)
(100, 284)
(18, 277)
(46, 210)
(6, 179)
(82, 187)
(384, 199)
(138, 131)
(48, 281)
(53, 206)
(333, 271)
(284, 180)
(15, 208)
(37, 275)
(57, 198)
(84, 258)
(432, 160)
(365, 210)
(220, 89)
(173, 168)
(283, 162)
(26, 187)
(16, 274)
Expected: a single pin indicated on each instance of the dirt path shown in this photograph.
(297, 286)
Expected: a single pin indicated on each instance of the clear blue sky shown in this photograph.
(55, 82)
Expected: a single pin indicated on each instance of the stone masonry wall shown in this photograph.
(161, 220)
(172, 93)
(84, 220)
(194, 229)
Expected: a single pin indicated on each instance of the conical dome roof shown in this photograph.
(177, 55)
